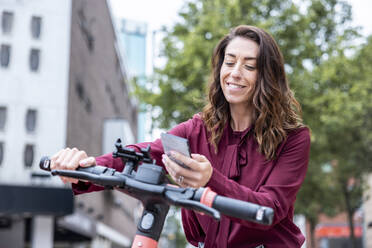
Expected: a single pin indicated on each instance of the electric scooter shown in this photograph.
(148, 183)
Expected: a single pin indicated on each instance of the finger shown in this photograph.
(54, 158)
(86, 162)
(171, 175)
(186, 182)
(68, 179)
(63, 179)
(179, 156)
(68, 157)
(167, 167)
(199, 157)
(190, 184)
(171, 165)
(189, 162)
(177, 170)
(73, 163)
(57, 163)
(73, 180)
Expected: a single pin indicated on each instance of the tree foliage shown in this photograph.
(305, 36)
(333, 89)
(341, 138)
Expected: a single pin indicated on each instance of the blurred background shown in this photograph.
(81, 73)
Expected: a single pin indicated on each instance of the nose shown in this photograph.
(236, 73)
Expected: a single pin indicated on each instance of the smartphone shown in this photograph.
(174, 143)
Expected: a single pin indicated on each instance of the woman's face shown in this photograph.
(238, 73)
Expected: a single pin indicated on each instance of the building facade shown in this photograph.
(35, 43)
(62, 83)
(33, 62)
(99, 112)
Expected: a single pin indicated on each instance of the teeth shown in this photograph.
(234, 86)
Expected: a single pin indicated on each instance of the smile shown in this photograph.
(235, 86)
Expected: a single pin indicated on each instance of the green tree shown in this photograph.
(342, 100)
(349, 122)
(305, 36)
(317, 195)
(313, 37)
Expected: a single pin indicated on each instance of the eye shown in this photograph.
(229, 63)
(250, 68)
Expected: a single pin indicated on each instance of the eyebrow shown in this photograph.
(245, 58)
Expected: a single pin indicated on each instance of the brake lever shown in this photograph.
(103, 180)
(181, 197)
(199, 207)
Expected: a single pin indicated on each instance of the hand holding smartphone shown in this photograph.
(174, 143)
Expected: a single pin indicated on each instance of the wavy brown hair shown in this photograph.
(275, 110)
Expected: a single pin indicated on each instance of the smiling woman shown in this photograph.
(249, 144)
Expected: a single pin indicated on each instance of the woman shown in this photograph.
(249, 143)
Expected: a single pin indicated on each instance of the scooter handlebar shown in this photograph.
(227, 206)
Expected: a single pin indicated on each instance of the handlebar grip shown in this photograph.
(44, 163)
(95, 169)
(243, 210)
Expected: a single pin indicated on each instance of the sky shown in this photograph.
(165, 12)
(362, 15)
(155, 13)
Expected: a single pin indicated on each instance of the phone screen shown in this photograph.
(174, 143)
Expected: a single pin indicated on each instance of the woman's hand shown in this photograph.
(197, 176)
(70, 159)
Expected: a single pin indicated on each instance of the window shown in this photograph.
(29, 155)
(2, 118)
(5, 55)
(7, 22)
(86, 28)
(1, 152)
(36, 27)
(79, 87)
(31, 120)
(34, 59)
